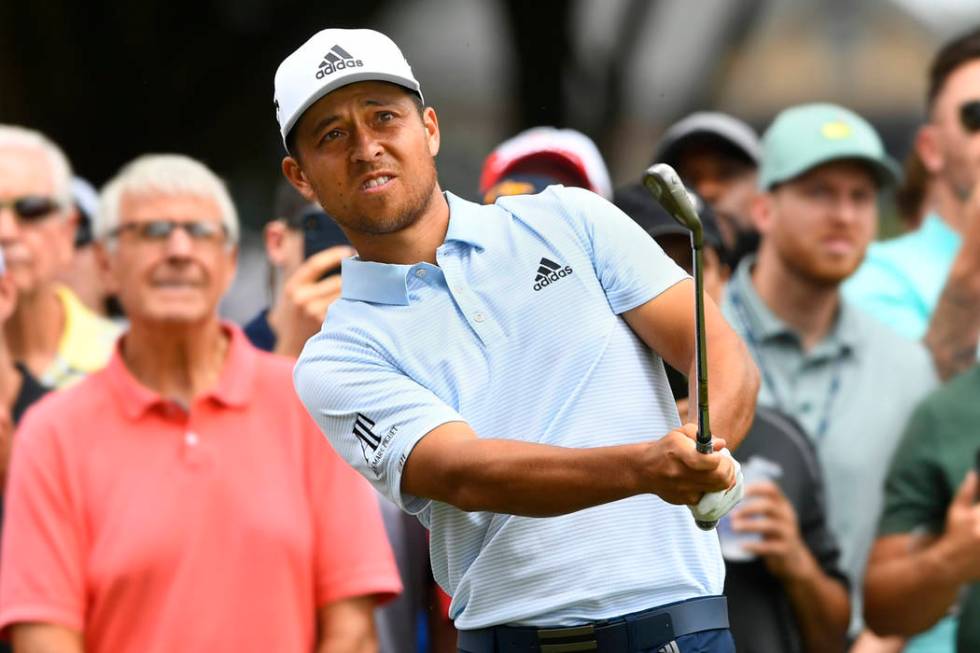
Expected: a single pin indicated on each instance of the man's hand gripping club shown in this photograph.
(708, 484)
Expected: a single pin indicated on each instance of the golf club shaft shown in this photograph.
(701, 355)
(701, 368)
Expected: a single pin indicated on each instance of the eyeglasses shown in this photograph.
(31, 208)
(970, 116)
(159, 231)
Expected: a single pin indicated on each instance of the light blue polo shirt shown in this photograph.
(516, 332)
(901, 279)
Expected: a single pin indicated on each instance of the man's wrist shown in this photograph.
(964, 274)
(801, 568)
(634, 475)
(943, 560)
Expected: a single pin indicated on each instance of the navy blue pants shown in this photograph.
(707, 641)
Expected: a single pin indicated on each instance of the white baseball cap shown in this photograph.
(333, 58)
(565, 146)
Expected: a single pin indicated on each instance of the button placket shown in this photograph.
(192, 449)
(474, 312)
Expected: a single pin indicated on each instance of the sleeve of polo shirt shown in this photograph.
(916, 495)
(43, 576)
(352, 555)
(630, 265)
(372, 413)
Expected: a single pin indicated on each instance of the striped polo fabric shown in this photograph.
(516, 332)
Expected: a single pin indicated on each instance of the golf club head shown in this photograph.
(667, 188)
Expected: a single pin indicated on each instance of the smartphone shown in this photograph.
(319, 233)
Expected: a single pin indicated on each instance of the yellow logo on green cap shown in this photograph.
(835, 130)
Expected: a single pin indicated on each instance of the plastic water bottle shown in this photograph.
(754, 470)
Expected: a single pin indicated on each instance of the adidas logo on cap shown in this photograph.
(336, 59)
(548, 273)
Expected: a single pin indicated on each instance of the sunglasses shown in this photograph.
(159, 231)
(970, 116)
(31, 208)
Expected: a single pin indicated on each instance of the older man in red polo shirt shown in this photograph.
(182, 499)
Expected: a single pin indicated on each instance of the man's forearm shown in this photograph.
(955, 325)
(347, 626)
(453, 466)
(908, 594)
(534, 480)
(45, 638)
(821, 606)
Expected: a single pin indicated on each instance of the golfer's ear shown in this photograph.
(431, 123)
(295, 175)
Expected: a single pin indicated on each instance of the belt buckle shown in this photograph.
(576, 638)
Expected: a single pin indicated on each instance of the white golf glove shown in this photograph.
(715, 505)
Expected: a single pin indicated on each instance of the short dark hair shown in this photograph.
(291, 135)
(950, 57)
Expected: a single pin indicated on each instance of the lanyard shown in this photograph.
(767, 377)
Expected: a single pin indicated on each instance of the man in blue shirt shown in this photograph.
(488, 368)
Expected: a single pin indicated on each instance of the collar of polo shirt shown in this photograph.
(843, 337)
(387, 283)
(233, 389)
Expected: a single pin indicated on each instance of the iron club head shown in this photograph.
(667, 188)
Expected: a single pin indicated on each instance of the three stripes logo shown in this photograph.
(370, 442)
(548, 273)
(336, 59)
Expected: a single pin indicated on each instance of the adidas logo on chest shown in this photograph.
(548, 273)
(337, 59)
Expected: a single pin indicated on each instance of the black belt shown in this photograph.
(633, 632)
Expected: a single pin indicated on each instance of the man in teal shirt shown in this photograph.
(924, 284)
(848, 379)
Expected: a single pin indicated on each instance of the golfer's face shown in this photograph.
(368, 155)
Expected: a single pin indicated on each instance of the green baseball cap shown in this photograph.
(806, 136)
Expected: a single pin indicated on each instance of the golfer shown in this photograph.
(497, 371)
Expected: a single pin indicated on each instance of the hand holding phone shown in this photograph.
(307, 294)
(320, 232)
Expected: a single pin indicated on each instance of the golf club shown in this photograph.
(666, 187)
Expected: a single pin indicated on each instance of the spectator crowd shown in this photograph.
(164, 488)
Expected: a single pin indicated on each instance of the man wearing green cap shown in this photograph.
(848, 379)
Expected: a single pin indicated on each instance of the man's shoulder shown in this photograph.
(881, 338)
(933, 239)
(911, 258)
(89, 337)
(567, 202)
(73, 408)
(956, 398)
